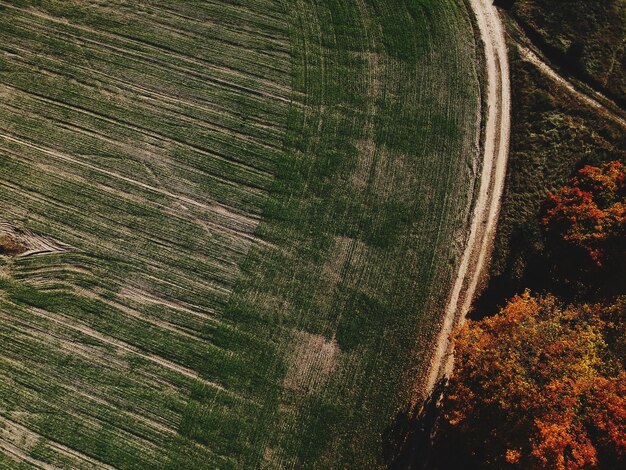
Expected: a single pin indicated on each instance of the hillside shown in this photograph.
(587, 37)
(230, 227)
(556, 131)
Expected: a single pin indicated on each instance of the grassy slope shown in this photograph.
(150, 141)
(599, 26)
(553, 135)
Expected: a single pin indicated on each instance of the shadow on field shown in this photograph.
(504, 4)
(408, 442)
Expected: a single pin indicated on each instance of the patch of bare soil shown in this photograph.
(312, 362)
(9, 246)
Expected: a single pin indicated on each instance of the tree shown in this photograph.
(587, 217)
(537, 386)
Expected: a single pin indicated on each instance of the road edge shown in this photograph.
(486, 211)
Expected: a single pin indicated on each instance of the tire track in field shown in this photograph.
(487, 206)
(151, 98)
(126, 347)
(239, 28)
(215, 109)
(67, 407)
(151, 154)
(11, 430)
(19, 455)
(53, 153)
(244, 167)
(42, 334)
(151, 59)
(154, 97)
(191, 35)
(217, 288)
(111, 247)
(94, 354)
(32, 401)
(231, 228)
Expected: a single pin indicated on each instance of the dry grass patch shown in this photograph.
(312, 362)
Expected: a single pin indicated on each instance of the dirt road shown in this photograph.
(530, 56)
(487, 207)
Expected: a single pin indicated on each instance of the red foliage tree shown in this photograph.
(589, 214)
(537, 386)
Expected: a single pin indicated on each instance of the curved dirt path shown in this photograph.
(487, 206)
(530, 56)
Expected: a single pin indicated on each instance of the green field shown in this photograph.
(254, 209)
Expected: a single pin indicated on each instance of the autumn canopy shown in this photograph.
(540, 386)
(589, 214)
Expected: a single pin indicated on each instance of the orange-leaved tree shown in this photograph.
(537, 386)
(589, 214)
